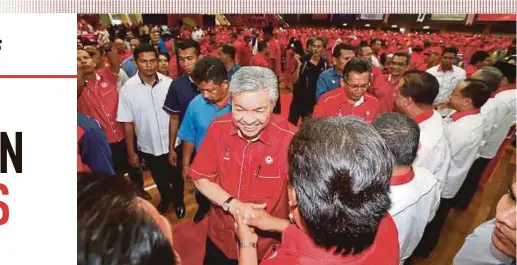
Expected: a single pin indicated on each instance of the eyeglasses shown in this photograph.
(355, 87)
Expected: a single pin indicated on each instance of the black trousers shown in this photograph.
(470, 185)
(203, 202)
(432, 230)
(300, 107)
(165, 175)
(121, 164)
(214, 256)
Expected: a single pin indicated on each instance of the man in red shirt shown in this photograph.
(332, 221)
(241, 164)
(275, 54)
(351, 98)
(120, 50)
(385, 86)
(246, 52)
(262, 57)
(98, 98)
(418, 61)
(238, 45)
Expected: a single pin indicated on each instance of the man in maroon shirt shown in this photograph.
(242, 163)
(98, 99)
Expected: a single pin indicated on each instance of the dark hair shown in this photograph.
(373, 41)
(233, 35)
(340, 169)
(309, 42)
(261, 45)
(164, 54)
(478, 56)
(420, 86)
(229, 50)
(144, 48)
(112, 228)
(450, 50)
(403, 54)
(318, 38)
(477, 91)
(209, 69)
(358, 66)
(337, 50)
(401, 134)
(508, 71)
(185, 44)
(359, 50)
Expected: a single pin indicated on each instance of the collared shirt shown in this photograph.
(200, 114)
(506, 118)
(434, 152)
(335, 103)
(471, 69)
(232, 71)
(383, 88)
(415, 197)
(478, 248)
(250, 171)
(99, 100)
(93, 151)
(298, 248)
(329, 80)
(181, 92)
(494, 111)
(143, 105)
(129, 66)
(448, 80)
(466, 132)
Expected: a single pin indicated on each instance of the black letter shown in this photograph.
(6, 147)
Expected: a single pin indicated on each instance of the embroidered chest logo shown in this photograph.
(227, 153)
(268, 160)
(104, 85)
(339, 112)
(367, 113)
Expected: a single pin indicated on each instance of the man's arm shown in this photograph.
(296, 73)
(174, 121)
(188, 150)
(129, 135)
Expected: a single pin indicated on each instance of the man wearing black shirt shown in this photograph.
(308, 69)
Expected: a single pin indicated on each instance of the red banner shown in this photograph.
(497, 17)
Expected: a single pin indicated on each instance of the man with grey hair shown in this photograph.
(495, 111)
(414, 191)
(241, 165)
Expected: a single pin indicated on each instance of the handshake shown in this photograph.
(249, 216)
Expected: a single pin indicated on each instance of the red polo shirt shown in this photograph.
(335, 103)
(246, 54)
(250, 171)
(260, 60)
(276, 54)
(383, 88)
(471, 69)
(99, 101)
(299, 248)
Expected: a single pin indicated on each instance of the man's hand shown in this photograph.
(133, 160)
(246, 210)
(185, 172)
(104, 42)
(297, 58)
(173, 157)
(260, 219)
(244, 232)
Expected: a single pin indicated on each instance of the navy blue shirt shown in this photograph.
(93, 146)
(181, 92)
(232, 71)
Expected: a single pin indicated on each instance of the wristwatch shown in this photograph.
(226, 204)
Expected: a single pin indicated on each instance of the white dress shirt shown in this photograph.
(465, 130)
(415, 199)
(495, 112)
(434, 153)
(142, 104)
(507, 119)
(448, 80)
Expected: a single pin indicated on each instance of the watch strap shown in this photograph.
(247, 245)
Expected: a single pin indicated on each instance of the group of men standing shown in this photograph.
(215, 124)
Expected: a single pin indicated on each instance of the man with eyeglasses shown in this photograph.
(351, 98)
(384, 87)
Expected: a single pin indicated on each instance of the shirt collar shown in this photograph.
(157, 80)
(501, 89)
(403, 178)
(440, 69)
(335, 73)
(264, 136)
(460, 114)
(423, 116)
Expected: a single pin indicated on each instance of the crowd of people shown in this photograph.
(386, 133)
